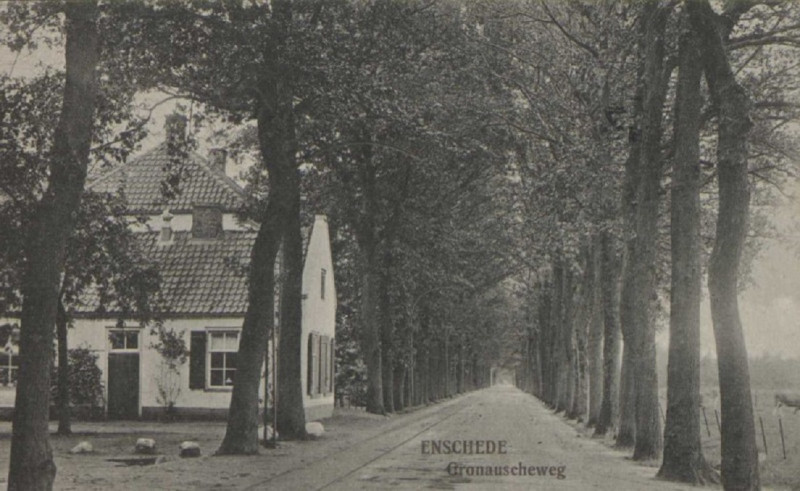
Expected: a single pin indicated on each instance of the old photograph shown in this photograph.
(399, 244)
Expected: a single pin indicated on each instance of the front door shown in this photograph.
(123, 374)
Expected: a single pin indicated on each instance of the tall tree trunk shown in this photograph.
(546, 343)
(626, 431)
(241, 433)
(570, 341)
(640, 272)
(609, 284)
(398, 386)
(367, 237)
(595, 341)
(291, 421)
(446, 369)
(560, 341)
(739, 453)
(31, 465)
(580, 322)
(460, 372)
(683, 453)
(277, 145)
(370, 333)
(387, 330)
(64, 412)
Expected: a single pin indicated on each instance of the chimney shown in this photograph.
(206, 222)
(218, 157)
(166, 227)
(175, 126)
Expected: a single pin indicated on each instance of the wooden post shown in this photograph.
(706, 420)
(783, 442)
(763, 436)
(716, 416)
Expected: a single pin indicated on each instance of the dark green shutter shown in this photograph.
(331, 364)
(197, 361)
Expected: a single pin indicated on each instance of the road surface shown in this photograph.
(498, 438)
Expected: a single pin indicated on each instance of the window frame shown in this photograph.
(10, 368)
(125, 332)
(210, 332)
(10, 363)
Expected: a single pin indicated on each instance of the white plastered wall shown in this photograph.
(319, 315)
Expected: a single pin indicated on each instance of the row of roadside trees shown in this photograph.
(379, 113)
(677, 119)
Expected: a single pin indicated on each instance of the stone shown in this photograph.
(145, 446)
(190, 449)
(82, 447)
(269, 432)
(315, 429)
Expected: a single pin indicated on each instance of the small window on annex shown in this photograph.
(123, 339)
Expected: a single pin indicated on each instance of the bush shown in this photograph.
(85, 378)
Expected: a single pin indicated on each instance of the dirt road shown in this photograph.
(499, 438)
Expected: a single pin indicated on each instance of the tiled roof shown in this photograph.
(199, 276)
(141, 181)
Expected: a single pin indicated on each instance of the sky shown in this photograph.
(770, 307)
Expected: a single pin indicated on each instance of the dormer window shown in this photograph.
(322, 275)
(206, 222)
(166, 227)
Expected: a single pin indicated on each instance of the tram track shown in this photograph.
(352, 455)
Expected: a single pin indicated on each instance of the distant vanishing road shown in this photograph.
(498, 438)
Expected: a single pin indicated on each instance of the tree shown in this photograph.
(683, 453)
(242, 62)
(639, 281)
(391, 150)
(31, 463)
(739, 454)
(610, 266)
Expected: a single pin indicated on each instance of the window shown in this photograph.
(323, 273)
(212, 358)
(319, 376)
(222, 351)
(123, 340)
(9, 355)
(9, 365)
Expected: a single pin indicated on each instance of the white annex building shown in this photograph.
(200, 247)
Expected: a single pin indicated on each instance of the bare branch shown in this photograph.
(568, 35)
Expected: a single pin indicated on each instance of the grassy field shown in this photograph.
(776, 471)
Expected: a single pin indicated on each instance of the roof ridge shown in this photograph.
(197, 164)
(219, 176)
(123, 166)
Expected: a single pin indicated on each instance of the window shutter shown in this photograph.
(310, 365)
(331, 364)
(315, 366)
(197, 360)
(323, 365)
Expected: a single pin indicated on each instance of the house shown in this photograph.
(200, 247)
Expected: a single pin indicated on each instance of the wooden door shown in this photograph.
(123, 385)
